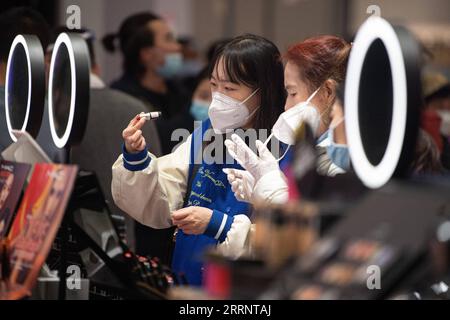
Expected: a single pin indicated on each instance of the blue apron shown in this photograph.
(210, 189)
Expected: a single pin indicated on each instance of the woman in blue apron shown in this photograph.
(188, 189)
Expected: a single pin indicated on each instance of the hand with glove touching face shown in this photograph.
(262, 180)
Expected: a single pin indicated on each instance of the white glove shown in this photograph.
(271, 188)
(242, 184)
(257, 166)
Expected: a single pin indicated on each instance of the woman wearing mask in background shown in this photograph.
(152, 190)
(198, 110)
(151, 60)
(201, 98)
(314, 70)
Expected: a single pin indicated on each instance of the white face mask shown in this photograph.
(227, 113)
(288, 122)
(445, 122)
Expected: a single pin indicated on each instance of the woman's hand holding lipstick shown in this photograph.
(132, 135)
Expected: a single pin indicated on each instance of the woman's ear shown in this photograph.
(330, 87)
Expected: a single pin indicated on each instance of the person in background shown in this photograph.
(336, 148)
(199, 106)
(201, 98)
(201, 94)
(435, 118)
(20, 20)
(193, 66)
(151, 60)
(192, 63)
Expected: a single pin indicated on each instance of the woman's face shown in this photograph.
(297, 91)
(221, 83)
(164, 43)
(296, 88)
(164, 37)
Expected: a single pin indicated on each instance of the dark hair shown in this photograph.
(320, 58)
(215, 46)
(202, 75)
(21, 20)
(255, 62)
(340, 93)
(134, 35)
(87, 35)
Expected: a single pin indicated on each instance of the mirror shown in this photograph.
(69, 89)
(375, 122)
(25, 86)
(382, 101)
(62, 90)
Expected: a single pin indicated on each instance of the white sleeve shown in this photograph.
(270, 188)
(150, 195)
(237, 242)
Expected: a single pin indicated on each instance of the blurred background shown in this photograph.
(283, 21)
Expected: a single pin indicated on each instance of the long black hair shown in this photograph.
(255, 62)
(134, 35)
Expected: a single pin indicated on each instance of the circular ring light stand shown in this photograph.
(382, 101)
(25, 86)
(68, 96)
